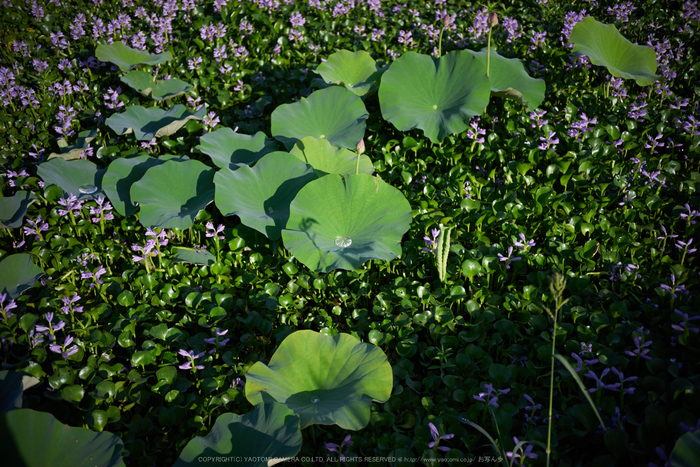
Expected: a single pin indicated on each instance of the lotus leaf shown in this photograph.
(510, 80)
(149, 123)
(265, 436)
(437, 95)
(334, 113)
(70, 153)
(80, 177)
(122, 174)
(172, 194)
(605, 46)
(357, 71)
(127, 58)
(325, 380)
(339, 222)
(12, 386)
(194, 256)
(144, 83)
(327, 159)
(36, 439)
(230, 149)
(13, 209)
(686, 452)
(18, 273)
(260, 196)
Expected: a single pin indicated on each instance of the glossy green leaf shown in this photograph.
(13, 208)
(260, 195)
(686, 452)
(334, 113)
(267, 435)
(328, 159)
(80, 177)
(471, 268)
(172, 194)
(605, 46)
(233, 150)
(152, 122)
(17, 274)
(438, 96)
(324, 380)
(356, 71)
(193, 255)
(127, 58)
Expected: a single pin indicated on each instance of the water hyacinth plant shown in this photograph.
(294, 230)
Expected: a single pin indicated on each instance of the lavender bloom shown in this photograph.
(476, 134)
(112, 99)
(297, 20)
(689, 215)
(215, 340)
(36, 227)
(684, 324)
(63, 350)
(684, 246)
(537, 115)
(213, 232)
(149, 145)
(666, 235)
(672, 290)
(149, 249)
(6, 308)
(511, 25)
(637, 112)
(431, 244)
(581, 126)
(102, 209)
(508, 258)
(623, 380)
(194, 62)
(654, 143)
(94, 275)
(599, 381)
(524, 243)
(480, 27)
(437, 437)
(192, 357)
(68, 304)
(211, 120)
(333, 447)
(526, 453)
(538, 39)
(550, 140)
(570, 21)
(641, 350)
(491, 395)
(238, 384)
(72, 205)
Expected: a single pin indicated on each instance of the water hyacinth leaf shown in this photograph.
(144, 83)
(122, 173)
(328, 159)
(510, 80)
(334, 113)
(339, 222)
(357, 71)
(80, 177)
(127, 58)
(267, 435)
(172, 194)
(230, 149)
(13, 209)
(193, 256)
(73, 152)
(18, 273)
(605, 46)
(36, 439)
(325, 380)
(260, 196)
(12, 386)
(686, 452)
(436, 95)
(153, 122)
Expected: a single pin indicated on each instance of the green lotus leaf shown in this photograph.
(439, 96)
(260, 196)
(510, 80)
(122, 173)
(127, 58)
(153, 122)
(73, 152)
(357, 71)
(18, 273)
(144, 83)
(36, 439)
(80, 177)
(13, 209)
(230, 149)
(194, 256)
(139, 81)
(339, 222)
(334, 113)
(327, 159)
(172, 194)
(686, 452)
(325, 380)
(266, 436)
(604, 45)
(12, 386)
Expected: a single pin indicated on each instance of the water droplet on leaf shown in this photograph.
(343, 241)
(314, 399)
(87, 189)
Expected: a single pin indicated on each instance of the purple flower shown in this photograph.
(192, 357)
(526, 453)
(64, 350)
(297, 20)
(475, 133)
(508, 258)
(431, 244)
(684, 324)
(36, 227)
(211, 120)
(436, 438)
(333, 447)
(599, 381)
(549, 141)
(214, 232)
(72, 205)
(536, 116)
(524, 243)
(68, 304)
(688, 216)
(623, 380)
(6, 308)
(238, 384)
(492, 397)
(641, 350)
(102, 209)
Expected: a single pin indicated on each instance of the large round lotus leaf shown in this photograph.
(153, 122)
(437, 95)
(510, 80)
(266, 436)
(126, 58)
(74, 151)
(36, 439)
(172, 194)
(13, 208)
(144, 83)
(686, 452)
(260, 195)
(12, 386)
(357, 71)
(325, 380)
(604, 45)
(80, 177)
(334, 113)
(17, 274)
(327, 159)
(124, 172)
(339, 222)
(230, 149)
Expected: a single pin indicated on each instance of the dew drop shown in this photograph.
(314, 399)
(87, 189)
(434, 106)
(343, 241)
(270, 210)
(322, 136)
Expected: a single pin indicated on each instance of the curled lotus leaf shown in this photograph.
(328, 159)
(127, 58)
(13, 208)
(79, 177)
(604, 45)
(143, 82)
(334, 113)
(153, 122)
(230, 149)
(18, 273)
(324, 379)
(356, 71)
(436, 95)
(74, 151)
(12, 386)
(266, 436)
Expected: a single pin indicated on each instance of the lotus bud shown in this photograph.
(446, 20)
(493, 20)
(361, 146)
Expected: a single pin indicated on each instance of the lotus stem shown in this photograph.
(493, 22)
(557, 287)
